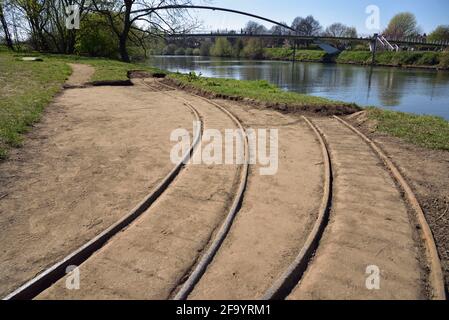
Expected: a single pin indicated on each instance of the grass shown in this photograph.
(397, 59)
(259, 90)
(25, 89)
(301, 55)
(425, 131)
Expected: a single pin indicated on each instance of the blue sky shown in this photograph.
(429, 13)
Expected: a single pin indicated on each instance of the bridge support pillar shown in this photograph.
(374, 48)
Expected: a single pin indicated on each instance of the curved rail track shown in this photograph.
(283, 285)
(49, 276)
(436, 278)
(214, 246)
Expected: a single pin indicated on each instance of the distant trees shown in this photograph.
(402, 25)
(307, 26)
(221, 48)
(254, 28)
(254, 49)
(340, 30)
(441, 33)
(205, 48)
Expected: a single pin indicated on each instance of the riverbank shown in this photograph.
(421, 59)
(27, 87)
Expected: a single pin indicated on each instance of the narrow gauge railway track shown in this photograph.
(220, 236)
(284, 285)
(49, 276)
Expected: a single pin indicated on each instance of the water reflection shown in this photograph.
(410, 90)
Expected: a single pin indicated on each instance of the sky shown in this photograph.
(429, 13)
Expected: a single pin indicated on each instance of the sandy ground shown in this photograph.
(427, 171)
(276, 215)
(150, 258)
(81, 73)
(369, 226)
(96, 153)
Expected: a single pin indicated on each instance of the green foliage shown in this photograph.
(403, 24)
(444, 60)
(180, 52)
(404, 58)
(95, 38)
(441, 33)
(221, 48)
(426, 131)
(254, 49)
(205, 48)
(169, 50)
(189, 52)
(197, 52)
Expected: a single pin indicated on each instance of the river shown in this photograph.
(410, 90)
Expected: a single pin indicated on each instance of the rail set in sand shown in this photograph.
(337, 206)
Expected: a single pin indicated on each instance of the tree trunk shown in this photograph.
(124, 35)
(5, 29)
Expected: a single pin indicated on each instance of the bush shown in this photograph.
(95, 38)
(429, 59)
(444, 60)
(189, 52)
(169, 50)
(205, 48)
(221, 48)
(180, 52)
(196, 52)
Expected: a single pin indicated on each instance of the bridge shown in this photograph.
(291, 36)
(321, 40)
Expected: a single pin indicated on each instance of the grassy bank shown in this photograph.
(25, 89)
(395, 59)
(262, 92)
(425, 131)
(301, 55)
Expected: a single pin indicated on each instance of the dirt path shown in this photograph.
(96, 153)
(149, 259)
(80, 75)
(276, 215)
(369, 226)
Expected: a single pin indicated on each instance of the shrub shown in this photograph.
(189, 52)
(180, 52)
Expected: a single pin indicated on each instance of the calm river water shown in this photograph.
(409, 90)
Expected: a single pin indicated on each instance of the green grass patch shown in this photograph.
(26, 87)
(259, 90)
(425, 131)
(301, 55)
(397, 59)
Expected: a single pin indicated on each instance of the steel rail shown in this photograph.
(49, 276)
(436, 274)
(215, 245)
(291, 276)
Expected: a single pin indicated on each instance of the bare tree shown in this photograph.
(253, 27)
(137, 19)
(402, 25)
(5, 27)
(340, 30)
(307, 26)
